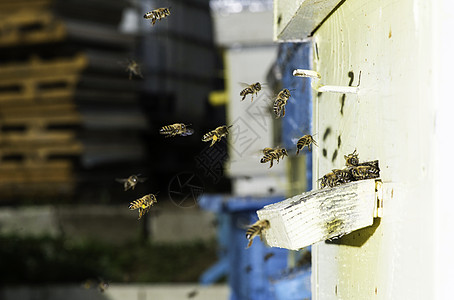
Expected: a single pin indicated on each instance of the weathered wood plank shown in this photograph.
(322, 214)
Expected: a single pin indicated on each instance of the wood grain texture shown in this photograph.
(319, 215)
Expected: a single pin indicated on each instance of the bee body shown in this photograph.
(351, 160)
(365, 172)
(131, 181)
(216, 134)
(306, 140)
(343, 176)
(269, 155)
(330, 180)
(157, 14)
(280, 102)
(251, 89)
(256, 229)
(143, 204)
(176, 129)
(133, 68)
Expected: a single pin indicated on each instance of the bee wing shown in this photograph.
(188, 131)
(295, 140)
(244, 84)
(121, 180)
(143, 179)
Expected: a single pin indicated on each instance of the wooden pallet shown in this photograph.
(8, 6)
(55, 177)
(38, 80)
(25, 27)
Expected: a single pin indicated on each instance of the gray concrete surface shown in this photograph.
(117, 292)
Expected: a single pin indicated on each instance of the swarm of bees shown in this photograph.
(353, 171)
(143, 204)
(280, 102)
(157, 14)
(216, 134)
(176, 129)
(270, 154)
(251, 89)
(256, 229)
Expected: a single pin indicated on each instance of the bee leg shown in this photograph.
(244, 97)
(297, 151)
(212, 142)
(271, 164)
(283, 111)
(309, 147)
(249, 244)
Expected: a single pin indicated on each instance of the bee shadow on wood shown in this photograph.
(358, 237)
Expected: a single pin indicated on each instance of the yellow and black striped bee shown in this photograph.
(251, 89)
(216, 134)
(365, 171)
(131, 181)
(133, 68)
(306, 140)
(330, 179)
(157, 14)
(269, 155)
(351, 160)
(176, 129)
(280, 102)
(143, 204)
(256, 229)
(343, 176)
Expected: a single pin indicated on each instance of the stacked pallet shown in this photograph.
(66, 102)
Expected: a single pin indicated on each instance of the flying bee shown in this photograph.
(133, 68)
(103, 286)
(306, 140)
(251, 89)
(343, 176)
(256, 229)
(365, 172)
(351, 160)
(269, 155)
(143, 204)
(329, 179)
(280, 102)
(157, 14)
(131, 181)
(216, 134)
(176, 129)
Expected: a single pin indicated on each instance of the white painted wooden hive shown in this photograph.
(322, 214)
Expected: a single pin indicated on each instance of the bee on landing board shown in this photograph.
(280, 102)
(343, 176)
(269, 155)
(143, 204)
(133, 68)
(157, 14)
(306, 140)
(351, 160)
(176, 129)
(365, 172)
(330, 179)
(256, 229)
(251, 89)
(131, 181)
(216, 134)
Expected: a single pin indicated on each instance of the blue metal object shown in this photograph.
(249, 270)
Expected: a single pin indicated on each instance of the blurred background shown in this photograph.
(76, 116)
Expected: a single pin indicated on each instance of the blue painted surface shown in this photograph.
(298, 117)
(249, 274)
(295, 286)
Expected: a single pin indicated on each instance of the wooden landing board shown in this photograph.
(321, 214)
